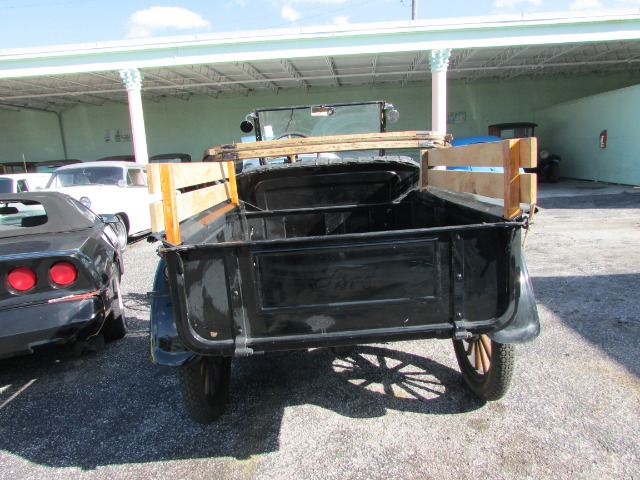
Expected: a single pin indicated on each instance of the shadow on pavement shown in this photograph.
(603, 309)
(115, 407)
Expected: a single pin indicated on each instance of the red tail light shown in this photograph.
(63, 273)
(22, 279)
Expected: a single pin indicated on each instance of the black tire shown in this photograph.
(122, 231)
(553, 174)
(205, 387)
(115, 326)
(487, 366)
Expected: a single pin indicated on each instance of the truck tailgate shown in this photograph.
(244, 297)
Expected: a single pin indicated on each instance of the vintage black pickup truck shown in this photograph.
(299, 239)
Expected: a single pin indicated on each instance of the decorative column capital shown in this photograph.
(132, 78)
(439, 59)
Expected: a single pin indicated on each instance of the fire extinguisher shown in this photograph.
(603, 139)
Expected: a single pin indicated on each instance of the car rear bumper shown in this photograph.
(26, 327)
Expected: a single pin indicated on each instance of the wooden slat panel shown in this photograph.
(199, 200)
(189, 204)
(186, 174)
(266, 151)
(306, 141)
(490, 154)
(488, 184)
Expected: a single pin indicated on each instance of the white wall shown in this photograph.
(572, 130)
(29, 135)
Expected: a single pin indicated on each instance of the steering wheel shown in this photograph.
(290, 135)
(109, 181)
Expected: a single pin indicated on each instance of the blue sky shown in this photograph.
(29, 23)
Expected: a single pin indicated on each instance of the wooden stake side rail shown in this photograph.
(335, 143)
(509, 185)
(167, 178)
(217, 182)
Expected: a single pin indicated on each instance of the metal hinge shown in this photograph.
(459, 331)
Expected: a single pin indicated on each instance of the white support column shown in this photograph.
(133, 82)
(439, 61)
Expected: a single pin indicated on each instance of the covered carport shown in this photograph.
(188, 93)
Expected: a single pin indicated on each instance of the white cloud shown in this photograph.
(341, 20)
(144, 23)
(585, 4)
(290, 14)
(512, 4)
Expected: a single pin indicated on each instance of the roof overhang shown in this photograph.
(501, 47)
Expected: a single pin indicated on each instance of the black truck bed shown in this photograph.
(371, 258)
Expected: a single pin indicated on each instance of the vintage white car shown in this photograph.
(23, 182)
(117, 188)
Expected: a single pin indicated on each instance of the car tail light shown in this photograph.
(22, 279)
(63, 273)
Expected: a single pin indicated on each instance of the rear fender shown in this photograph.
(166, 347)
(526, 323)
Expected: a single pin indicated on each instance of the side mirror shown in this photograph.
(121, 184)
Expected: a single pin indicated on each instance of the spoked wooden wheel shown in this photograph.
(486, 365)
(205, 387)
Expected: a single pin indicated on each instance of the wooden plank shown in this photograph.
(233, 185)
(307, 141)
(511, 179)
(157, 216)
(528, 152)
(169, 207)
(265, 151)
(490, 154)
(186, 174)
(487, 184)
(189, 204)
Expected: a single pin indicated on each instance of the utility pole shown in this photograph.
(414, 9)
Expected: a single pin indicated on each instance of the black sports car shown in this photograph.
(60, 269)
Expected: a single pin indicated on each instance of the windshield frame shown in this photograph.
(259, 113)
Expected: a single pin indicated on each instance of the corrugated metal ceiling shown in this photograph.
(57, 92)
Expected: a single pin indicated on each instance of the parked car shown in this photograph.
(118, 188)
(15, 167)
(118, 158)
(548, 167)
(171, 157)
(50, 165)
(60, 266)
(23, 182)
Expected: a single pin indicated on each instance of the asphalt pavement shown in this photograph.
(392, 411)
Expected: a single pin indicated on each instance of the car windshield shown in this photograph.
(21, 215)
(319, 121)
(86, 176)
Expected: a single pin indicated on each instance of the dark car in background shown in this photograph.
(50, 165)
(548, 166)
(171, 158)
(60, 266)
